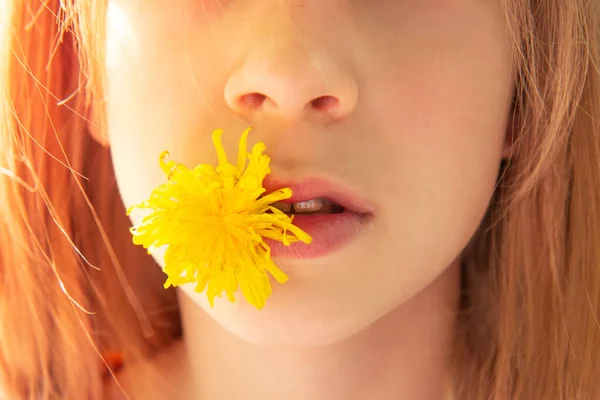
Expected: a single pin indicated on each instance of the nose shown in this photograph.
(287, 79)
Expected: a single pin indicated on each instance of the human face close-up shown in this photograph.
(401, 105)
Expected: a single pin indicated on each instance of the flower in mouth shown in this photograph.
(214, 222)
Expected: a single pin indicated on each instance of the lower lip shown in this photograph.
(329, 232)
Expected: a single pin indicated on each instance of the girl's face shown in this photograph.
(414, 123)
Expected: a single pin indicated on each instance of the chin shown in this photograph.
(281, 322)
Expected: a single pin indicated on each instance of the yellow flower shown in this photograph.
(214, 222)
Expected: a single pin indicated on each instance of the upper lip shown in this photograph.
(313, 188)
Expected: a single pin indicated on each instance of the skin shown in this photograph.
(422, 93)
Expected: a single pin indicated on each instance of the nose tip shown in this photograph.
(301, 91)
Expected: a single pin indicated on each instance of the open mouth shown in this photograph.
(331, 214)
(320, 205)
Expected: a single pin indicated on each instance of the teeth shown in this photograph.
(312, 206)
(309, 205)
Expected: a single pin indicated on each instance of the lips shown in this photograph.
(329, 232)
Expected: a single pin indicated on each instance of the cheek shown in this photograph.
(444, 197)
(447, 164)
(439, 192)
(160, 84)
(442, 133)
(155, 102)
(450, 159)
(445, 152)
(436, 193)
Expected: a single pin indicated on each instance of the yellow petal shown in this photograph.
(242, 153)
(216, 138)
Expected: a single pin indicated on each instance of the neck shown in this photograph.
(404, 354)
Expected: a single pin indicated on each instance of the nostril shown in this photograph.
(256, 101)
(252, 100)
(325, 103)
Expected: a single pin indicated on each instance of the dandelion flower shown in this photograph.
(214, 222)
